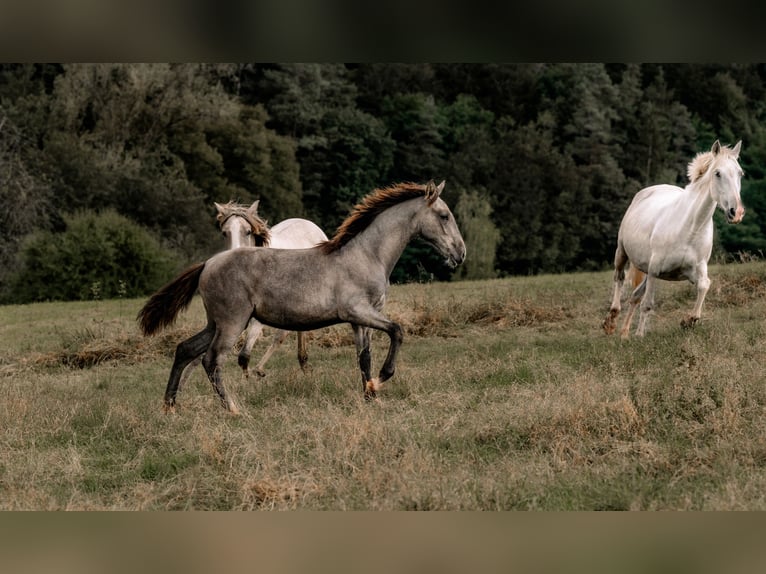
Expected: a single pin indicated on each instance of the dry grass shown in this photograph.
(507, 396)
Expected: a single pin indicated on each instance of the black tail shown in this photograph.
(162, 308)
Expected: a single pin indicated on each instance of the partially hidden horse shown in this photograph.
(667, 233)
(241, 226)
(343, 280)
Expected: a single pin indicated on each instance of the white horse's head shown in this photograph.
(721, 169)
(241, 226)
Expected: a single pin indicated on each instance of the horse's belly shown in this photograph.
(295, 313)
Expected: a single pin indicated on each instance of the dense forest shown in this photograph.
(108, 172)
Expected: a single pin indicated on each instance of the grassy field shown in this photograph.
(507, 396)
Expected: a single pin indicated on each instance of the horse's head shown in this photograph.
(438, 227)
(242, 227)
(725, 180)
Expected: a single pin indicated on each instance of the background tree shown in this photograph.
(556, 151)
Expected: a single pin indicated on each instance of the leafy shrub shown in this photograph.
(99, 255)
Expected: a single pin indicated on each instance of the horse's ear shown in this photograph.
(254, 208)
(433, 191)
(716, 147)
(219, 208)
(736, 149)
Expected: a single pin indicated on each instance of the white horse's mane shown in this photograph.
(703, 161)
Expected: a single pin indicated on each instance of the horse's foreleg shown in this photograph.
(620, 259)
(364, 356)
(186, 353)
(370, 318)
(647, 303)
(279, 337)
(396, 335)
(253, 332)
(703, 284)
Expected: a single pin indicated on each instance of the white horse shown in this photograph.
(241, 226)
(667, 233)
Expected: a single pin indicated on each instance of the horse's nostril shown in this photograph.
(732, 212)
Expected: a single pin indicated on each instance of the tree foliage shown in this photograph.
(541, 160)
(98, 256)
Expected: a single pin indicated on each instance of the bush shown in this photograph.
(99, 255)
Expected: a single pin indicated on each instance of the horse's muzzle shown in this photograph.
(735, 215)
(456, 258)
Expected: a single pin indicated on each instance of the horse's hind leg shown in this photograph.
(635, 299)
(186, 353)
(303, 356)
(223, 340)
(620, 260)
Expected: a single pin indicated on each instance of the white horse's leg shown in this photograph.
(635, 299)
(279, 337)
(620, 260)
(254, 331)
(703, 284)
(188, 371)
(647, 303)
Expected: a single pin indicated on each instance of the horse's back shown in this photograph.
(296, 233)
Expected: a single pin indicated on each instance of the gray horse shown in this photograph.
(343, 280)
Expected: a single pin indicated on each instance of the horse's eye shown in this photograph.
(717, 173)
(444, 216)
(249, 232)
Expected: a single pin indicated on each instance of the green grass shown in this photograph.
(507, 396)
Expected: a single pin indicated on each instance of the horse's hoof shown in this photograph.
(233, 409)
(169, 408)
(609, 324)
(260, 372)
(371, 388)
(689, 322)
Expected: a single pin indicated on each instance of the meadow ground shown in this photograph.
(508, 396)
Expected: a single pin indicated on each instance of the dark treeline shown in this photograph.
(121, 163)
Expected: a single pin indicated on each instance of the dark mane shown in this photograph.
(368, 209)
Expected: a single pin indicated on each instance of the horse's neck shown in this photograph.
(389, 233)
(700, 206)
